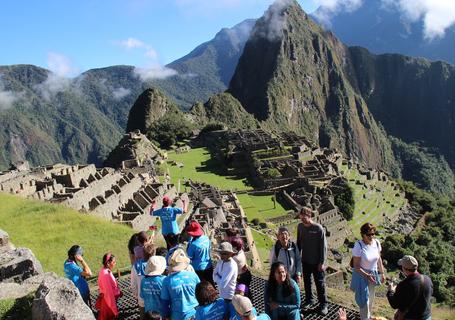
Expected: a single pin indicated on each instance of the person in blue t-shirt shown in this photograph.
(77, 274)
(178, 293)
(168, 216)
(199, 252)
(211, 306)
(151, 285)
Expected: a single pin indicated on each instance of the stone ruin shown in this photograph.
(218, 211)
(123, 196)
(21, 274)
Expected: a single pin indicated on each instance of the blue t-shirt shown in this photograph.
(213, 311)
(179, 289)
(233, 314)
(168, 216)
(140, 266)
(73, 272)
(263, 316)
(151, 293)
(199, 253)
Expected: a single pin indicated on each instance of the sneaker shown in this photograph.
(324, 310)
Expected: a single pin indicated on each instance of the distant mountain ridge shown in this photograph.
(96, 103)
(381, 29)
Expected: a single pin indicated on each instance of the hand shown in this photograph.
(79, 258)
(371, 278)
(342, 314)
(321, 267)
(298, 279)
(382, 278)
(273, 305)
(392, 286)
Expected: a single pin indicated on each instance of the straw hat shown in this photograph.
(178, 261)
(155, 266)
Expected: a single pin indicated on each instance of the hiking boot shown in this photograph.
(324, 310)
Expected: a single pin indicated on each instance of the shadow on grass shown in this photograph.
(21, 309)
(214, 166)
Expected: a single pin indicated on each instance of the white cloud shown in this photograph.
(60, 65)
(330, 8)
(7, 98)
(151, 53)
(154, 72)
(132, 43)
(437, 15)
(120, 93)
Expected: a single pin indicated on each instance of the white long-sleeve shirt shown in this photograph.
(225, 276)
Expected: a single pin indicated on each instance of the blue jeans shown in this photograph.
(319, 279)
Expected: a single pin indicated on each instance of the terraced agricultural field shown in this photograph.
(373, 199)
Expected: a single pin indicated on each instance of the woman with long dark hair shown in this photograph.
(108, 288)
(282, 294)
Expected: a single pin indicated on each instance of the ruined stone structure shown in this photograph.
(124, 196)
(218, 211)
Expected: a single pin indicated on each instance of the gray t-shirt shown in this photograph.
(312, 243)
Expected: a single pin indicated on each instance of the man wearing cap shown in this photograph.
(412, 295)
(244, 309)
(151, 285)
(312, 244)
(77, 274)
(198, 251)
(178, 293)
(168, 216)
(286, 251)
(226, 271)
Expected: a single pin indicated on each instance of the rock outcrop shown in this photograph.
(58, 298)
(18, 265)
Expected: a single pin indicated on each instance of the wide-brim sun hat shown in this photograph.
(242, 305)
(178, 261)
(194, 229)
(155, 266)
(225, 247)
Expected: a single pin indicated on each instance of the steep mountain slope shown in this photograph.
(44, 128)
(382, 29)
(292, 76)
(413, 98)
(50, 119)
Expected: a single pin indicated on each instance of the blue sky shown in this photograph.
(74, 36)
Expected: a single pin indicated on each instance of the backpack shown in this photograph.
(278, 247)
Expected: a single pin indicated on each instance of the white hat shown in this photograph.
(178, 261)
(155, 265)
(242, 305)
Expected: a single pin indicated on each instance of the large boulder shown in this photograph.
(58, 298)
(18, 264)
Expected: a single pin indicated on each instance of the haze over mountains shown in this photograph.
(292, 75)
(383, 26)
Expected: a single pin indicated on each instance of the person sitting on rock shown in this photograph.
(76, 273)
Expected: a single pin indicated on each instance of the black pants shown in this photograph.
(319, 279)
(206, 275)
(245, 278)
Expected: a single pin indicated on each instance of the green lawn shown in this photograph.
(198, 166)
(263, 246)
(50, 230)
(260, 207)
